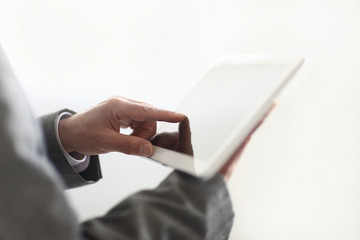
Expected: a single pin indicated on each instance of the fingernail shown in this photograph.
(146, 150)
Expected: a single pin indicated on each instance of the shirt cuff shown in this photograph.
(79, 165)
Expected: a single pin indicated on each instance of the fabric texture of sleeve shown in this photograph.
(181, 207)
(70, 176)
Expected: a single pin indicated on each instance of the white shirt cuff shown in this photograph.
(78, 165)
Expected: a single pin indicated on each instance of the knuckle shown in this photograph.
(153, 129)
(147, 108)
(141, 111)
(126, 148)
(113, 101)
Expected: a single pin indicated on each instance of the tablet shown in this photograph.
(221, 111)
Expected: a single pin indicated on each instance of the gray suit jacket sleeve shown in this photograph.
(69, 175)
(33, 205)
(181, 207)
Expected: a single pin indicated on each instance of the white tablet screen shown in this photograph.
(216, 107)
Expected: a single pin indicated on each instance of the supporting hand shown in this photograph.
(229, 166)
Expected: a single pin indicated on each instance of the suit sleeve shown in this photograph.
(69, 175)
(181, 207)
(32, 202)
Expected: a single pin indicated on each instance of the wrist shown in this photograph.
(64, 133)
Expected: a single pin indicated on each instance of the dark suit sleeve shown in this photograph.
(181, 207)
(70, 176)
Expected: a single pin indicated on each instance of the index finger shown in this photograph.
(147, 112)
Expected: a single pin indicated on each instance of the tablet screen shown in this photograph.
(216, 107)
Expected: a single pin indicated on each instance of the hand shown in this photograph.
(229, 166)
(97, 130)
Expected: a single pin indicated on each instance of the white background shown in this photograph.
(299, 177)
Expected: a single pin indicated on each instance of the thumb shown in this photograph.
(132, 145)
